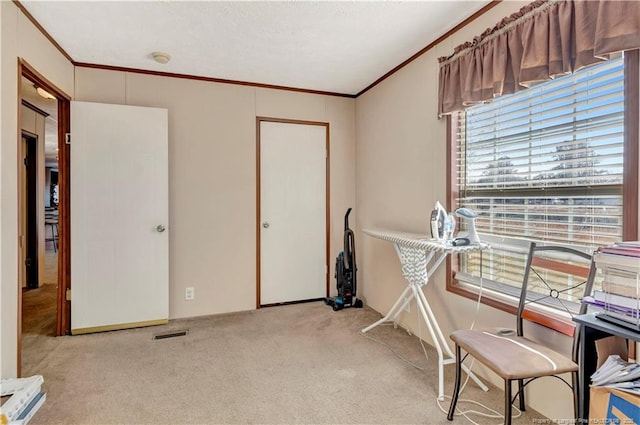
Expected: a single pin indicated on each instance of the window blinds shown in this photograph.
(545, 164)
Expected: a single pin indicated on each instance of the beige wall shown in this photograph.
(212, 175)
(212, 170)
(388, 144)
(401, 173)
(19, 38)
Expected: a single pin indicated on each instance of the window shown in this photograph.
(544, 164)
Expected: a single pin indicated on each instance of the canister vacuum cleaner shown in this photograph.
(346, 272)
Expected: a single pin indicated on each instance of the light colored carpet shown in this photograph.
(295, 364)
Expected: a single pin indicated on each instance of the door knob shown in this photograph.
(265, 224)
(160, 228)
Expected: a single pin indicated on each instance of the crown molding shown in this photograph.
(431, 45)
(209, 79)
(462, 24)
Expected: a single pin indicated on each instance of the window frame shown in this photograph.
(630, 188)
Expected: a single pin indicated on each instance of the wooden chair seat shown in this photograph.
(512, 357)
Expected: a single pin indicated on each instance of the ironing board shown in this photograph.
(420, 257)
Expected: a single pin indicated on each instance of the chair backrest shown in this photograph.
(555, 277)
(51, 214)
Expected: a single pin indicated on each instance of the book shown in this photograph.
(624, 251)
(621, 289)
(631, 244)
(626, 277)
(617, 262)
(630, 314)
(621, 282)
(619, 300)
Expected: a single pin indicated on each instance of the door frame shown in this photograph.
(259, 120)
(63, 317)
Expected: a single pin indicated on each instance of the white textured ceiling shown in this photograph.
(339, 47)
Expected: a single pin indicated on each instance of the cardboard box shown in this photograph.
(611, 406)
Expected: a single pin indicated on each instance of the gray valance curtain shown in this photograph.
(543, 40)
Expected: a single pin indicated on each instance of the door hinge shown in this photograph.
(27, 262)
(68, 295)
(25, 161)
(67, 138)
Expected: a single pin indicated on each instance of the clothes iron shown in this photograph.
(438, 217)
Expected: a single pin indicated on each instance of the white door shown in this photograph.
(292, 212)
(119, 217)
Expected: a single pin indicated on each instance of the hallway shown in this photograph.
(39, 305)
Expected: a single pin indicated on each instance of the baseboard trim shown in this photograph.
(120, 326)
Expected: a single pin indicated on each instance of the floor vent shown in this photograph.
(171, 334)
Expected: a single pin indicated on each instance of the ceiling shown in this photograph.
(338, 47)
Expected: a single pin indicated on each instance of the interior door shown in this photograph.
(293, 212)
(119, 217)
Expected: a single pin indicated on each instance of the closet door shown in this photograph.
(293, 212)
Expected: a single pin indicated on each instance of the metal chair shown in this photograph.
(555, 276)
(51, 221)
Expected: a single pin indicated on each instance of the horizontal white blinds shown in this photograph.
(546, 163)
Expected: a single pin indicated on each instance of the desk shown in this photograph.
(593, 329)
(420, 258)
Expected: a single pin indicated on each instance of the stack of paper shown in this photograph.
(618, 373)
(626, 248)
(620, 294)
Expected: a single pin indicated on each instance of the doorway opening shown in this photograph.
(44, 268)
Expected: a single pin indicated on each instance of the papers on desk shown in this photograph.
(618, 373)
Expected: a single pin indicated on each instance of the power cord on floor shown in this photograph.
(398, 355)
(494, 414)
(465, 413)
(424, 349)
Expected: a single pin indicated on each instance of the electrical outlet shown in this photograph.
(407, 306)
(189, 293)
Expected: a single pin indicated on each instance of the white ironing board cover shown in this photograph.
(420, 241)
